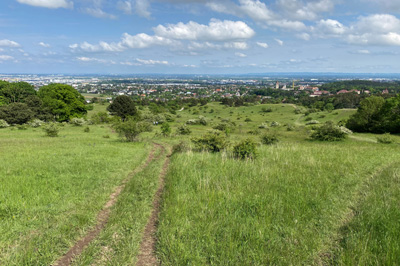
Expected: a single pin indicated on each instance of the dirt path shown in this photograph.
(147, 254)
(103, 215)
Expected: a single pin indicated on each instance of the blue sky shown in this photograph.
(199, 36)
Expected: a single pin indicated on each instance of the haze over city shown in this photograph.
(199, 36)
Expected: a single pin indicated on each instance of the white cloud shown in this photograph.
(143, 40)
(98, 13)
(236, 45)
(48, 3)
(152, 62)
(96, 60)
(6, 58)
(240, 55)
(142, 8)
(303, 36)
(46, 45)
(378, 23)
(305, 10)
(363, 52)
(262, 44)
(216, 30)
(125, 6)
(280, 42)
(8, 43)
(101, 47)
(330, 27)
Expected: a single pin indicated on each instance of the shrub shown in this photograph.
(269, 139)
(202, 121)
(254, 132)
(100, 118)
(106, 136)
(35, 123)
(3, 123)
(130, 129)
(183, 130)
(77, 121)
(275, 124)
(328, 132)
(51, 129)
(263, 126)
(246, 149)
(191, 122)
(221, 126)
(211, 141)
(165, 129)
(385, 139)
(16, 113)
(290, 127)
(266, 110)
(22, 127)
(86, 130)
(247, 119)
(308, 119)
(180, 147)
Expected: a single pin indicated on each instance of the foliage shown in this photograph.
(87, 129)
(123, 106)
(385, 138)
(16, 113)
(180, 147)
(130, 129)
(269, 139)
(266, 110)
(16, 92)
(183, 130)
(3, 123)
(275, 124)
(328, 132)
(36, 123)
(165, 129)
(78, 121)
(368, 116)
(212, 141)
(246, 149)
(51, 129)
(62, 101)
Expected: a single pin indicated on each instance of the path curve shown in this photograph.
(102, 216)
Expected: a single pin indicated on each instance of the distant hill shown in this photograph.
(373, 86)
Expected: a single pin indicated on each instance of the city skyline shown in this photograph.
(199, 36)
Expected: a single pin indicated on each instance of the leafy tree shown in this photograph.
(16, 92)
(123, 106)
(130, 129)
(165, 129)
(62, 101)
(16, 113)
(368, 116)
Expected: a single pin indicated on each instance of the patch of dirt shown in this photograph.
(103, 216)
(147, 254)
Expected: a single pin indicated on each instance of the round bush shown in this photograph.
(245, 149)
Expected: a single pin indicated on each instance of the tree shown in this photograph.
(16, 113)
(368, 116)
(62, 101)
(16, 92)
(123, 106)
(165, 129)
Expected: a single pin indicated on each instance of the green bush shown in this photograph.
(22, 127)
(51, 129)
(328, 132)
(35, 123)
(100, 118)
(385, 139)
(130, 129)
(180, 147)
(269, 139)
(77, 121)
(246, 149)
(86, 130)
(211, 141)
(165, 129)
(275, 124)
(183, 130)
(3, 123)
(247, 119)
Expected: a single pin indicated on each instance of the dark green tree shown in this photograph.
(16, 92)
(62, 101)
(16, 113)
(123, 106)
(368, 117)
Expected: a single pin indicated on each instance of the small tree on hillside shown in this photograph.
(123, 106)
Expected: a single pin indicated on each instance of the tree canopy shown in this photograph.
(15, 92)
(122, 106)
(62, 101)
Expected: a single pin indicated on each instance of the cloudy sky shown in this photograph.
(199, 36)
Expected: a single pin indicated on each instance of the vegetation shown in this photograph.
(212, 141)
(130, 129)
(123, 106)
(328, 132)
(246, 149)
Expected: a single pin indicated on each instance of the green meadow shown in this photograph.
(300, 202)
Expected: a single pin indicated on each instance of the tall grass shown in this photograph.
(285, 208)
(52, 188)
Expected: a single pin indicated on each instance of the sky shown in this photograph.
(199, 36)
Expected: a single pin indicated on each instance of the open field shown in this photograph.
(300, 202)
